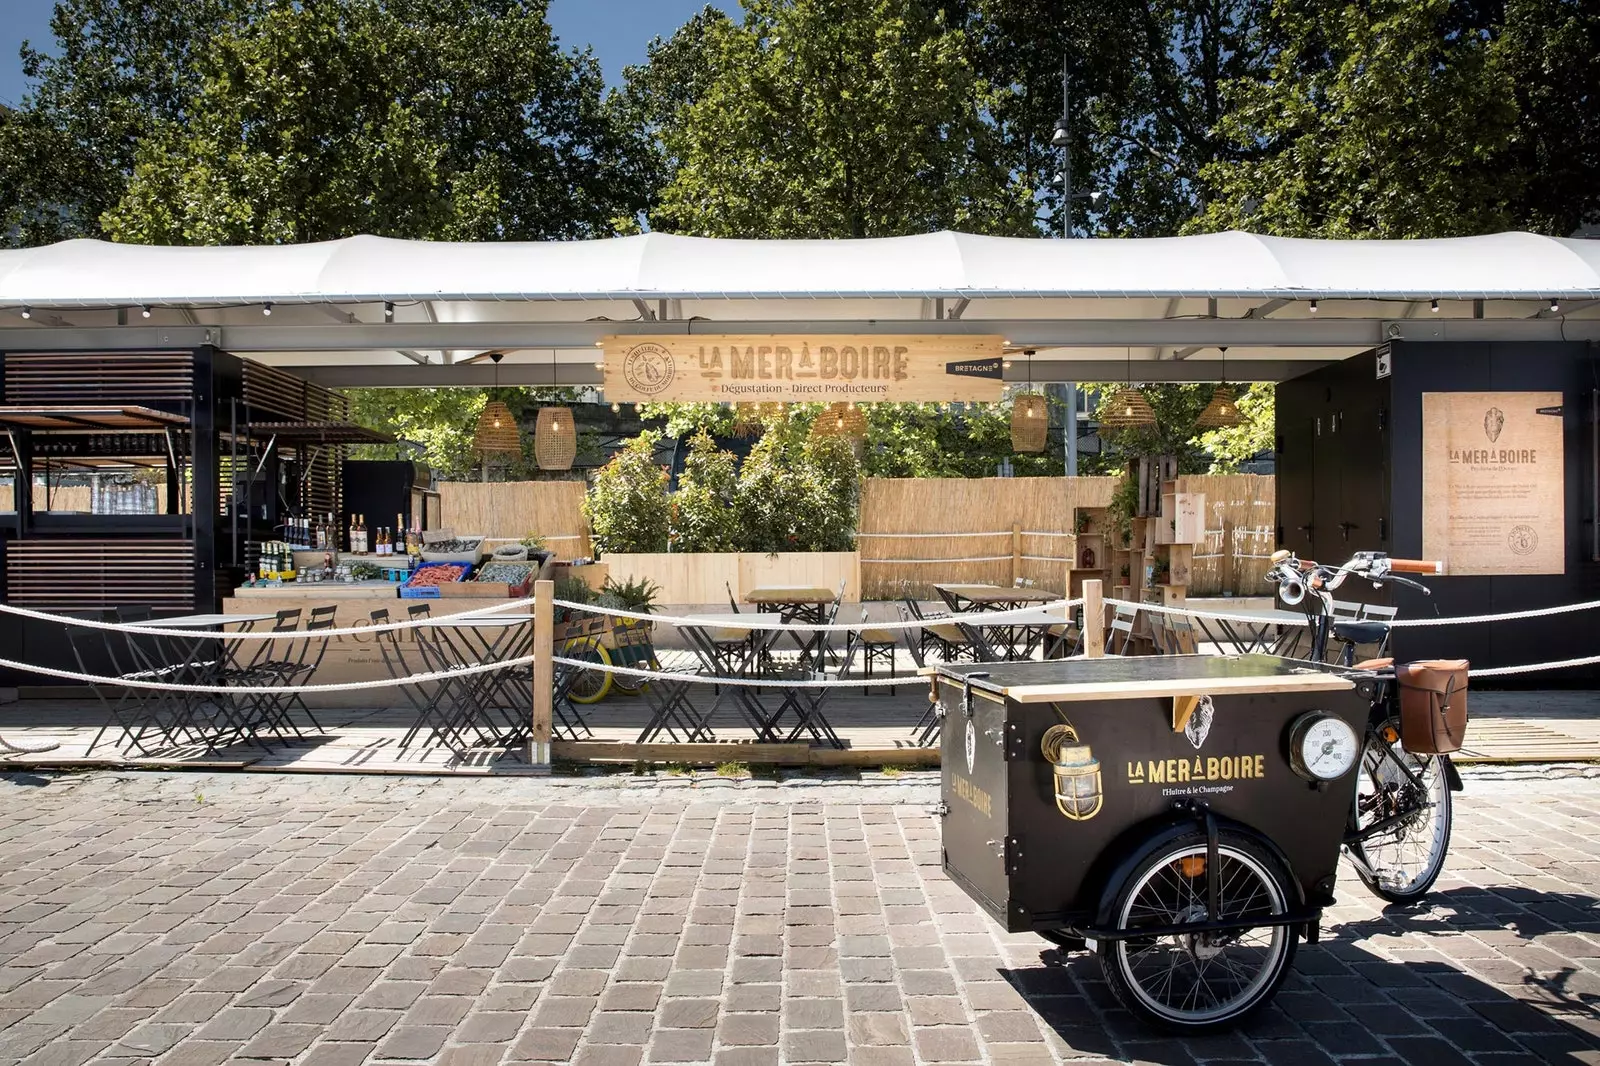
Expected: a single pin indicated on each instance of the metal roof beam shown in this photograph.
(1255, 313)
(1021, 333)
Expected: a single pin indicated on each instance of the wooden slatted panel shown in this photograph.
(72, 574)
(268, 389)
(272, 390)
(98, 377)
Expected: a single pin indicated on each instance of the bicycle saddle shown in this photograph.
(1360, 632)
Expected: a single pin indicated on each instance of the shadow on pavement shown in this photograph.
(1496, 972)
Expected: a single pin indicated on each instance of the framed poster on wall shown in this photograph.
(1493, 482)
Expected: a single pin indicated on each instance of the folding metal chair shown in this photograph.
(1121, 622)
(876, 646)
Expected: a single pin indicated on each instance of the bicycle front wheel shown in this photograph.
(1409, 795)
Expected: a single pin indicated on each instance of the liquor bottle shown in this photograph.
(353, 535)
(383, 540)
(361, 533)
(398, 534)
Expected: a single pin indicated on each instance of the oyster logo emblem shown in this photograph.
(648, 368)
(1494, 420)
(971, 740)
(1199, 724)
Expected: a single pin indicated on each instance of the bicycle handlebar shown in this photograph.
(1417, 566)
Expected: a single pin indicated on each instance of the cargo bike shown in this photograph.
(1183, 816)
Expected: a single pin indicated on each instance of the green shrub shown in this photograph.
(703, 515)
(627, 505)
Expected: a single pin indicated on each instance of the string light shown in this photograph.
(145, 311)
(1433, 305)
(388, 309)
(27, 312)
(1313, 307)
(1555, 305)
(266, 309)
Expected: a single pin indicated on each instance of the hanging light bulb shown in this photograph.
(1433, 305)
(266, 309)
(388, 309)
(616, 408)
(144, 312)
(1313, 307)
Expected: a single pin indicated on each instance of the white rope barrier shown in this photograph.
(963, 559)
(270, 690)
(1014, 616)
(1529, 668)
(736, 682)
(1191, 612)
(442, 620)
(1509, 616)
(260, 634)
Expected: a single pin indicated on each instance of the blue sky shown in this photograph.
(617, 30)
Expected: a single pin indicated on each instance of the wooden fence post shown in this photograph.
(544, 675)
(1016, 555)
(1227, 563)
(1094, 620)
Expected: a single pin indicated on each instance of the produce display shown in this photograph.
(453, 545)
(435, 576)
(510, 573)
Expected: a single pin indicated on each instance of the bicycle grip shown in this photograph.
(1417, 566)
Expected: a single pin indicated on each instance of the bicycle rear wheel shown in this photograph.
(1400, 863)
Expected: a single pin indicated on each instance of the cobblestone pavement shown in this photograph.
(188, 920)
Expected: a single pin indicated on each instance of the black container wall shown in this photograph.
(380, 490)
(1366, 465)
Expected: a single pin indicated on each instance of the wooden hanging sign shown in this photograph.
(814, 368)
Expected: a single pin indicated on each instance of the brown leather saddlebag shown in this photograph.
(1433, 705)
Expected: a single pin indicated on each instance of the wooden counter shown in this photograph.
(354, 657)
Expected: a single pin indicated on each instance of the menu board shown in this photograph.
(1493, 482)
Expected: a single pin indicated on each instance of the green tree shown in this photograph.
(797, 492)
(830, 118)
(445, 119)
(1234, 445)
(117, 70)
(1416, 118)
(1174, 433)
(444, 421)
(627, 505)
(1147, 96)
(703, 515)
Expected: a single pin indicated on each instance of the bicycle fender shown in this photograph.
(1145, 840)
(1452, 776)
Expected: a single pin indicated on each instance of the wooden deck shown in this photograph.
(1507, 727)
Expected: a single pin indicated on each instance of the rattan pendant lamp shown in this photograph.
(555, 434)
(497, 429)
(840, 420)
(1030, 417)
(1127, 406)
(1223, 410)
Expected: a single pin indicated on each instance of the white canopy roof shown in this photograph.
(662, 266)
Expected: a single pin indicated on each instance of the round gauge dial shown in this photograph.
(1322, 747)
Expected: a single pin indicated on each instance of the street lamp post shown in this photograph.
(1062, 139)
